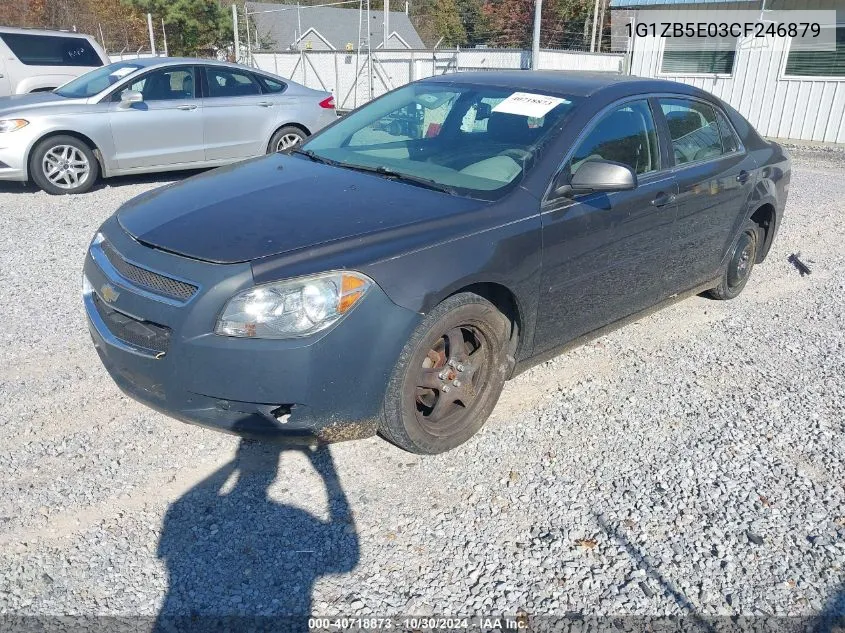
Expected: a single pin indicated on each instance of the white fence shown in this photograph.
(347, 74)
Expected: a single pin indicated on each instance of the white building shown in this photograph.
(784, 91)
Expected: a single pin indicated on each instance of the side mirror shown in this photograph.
(128, 97)
(599, 175)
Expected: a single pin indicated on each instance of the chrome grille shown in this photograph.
(148, 336)
(147, 279)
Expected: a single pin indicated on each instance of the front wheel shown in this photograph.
(286, 138)
(63, 165)
(449, 377)
(738, 269)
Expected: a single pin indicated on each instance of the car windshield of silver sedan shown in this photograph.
(96, 81)
(464, 139)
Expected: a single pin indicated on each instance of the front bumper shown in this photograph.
(12, 159)
(323, 388)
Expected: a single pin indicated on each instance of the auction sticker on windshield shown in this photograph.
(528, 104)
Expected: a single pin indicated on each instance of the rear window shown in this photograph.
(49, 50)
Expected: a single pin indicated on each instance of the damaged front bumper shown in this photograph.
(163, 352)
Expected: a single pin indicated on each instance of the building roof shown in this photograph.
(281, 25)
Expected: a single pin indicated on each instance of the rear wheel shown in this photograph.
(738, 269)
(63, 164)
(449, 376)
(286, 138)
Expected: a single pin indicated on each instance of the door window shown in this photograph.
(167, 84)
(626, 135)
(693, 129)
(224, 82)
(729, 142)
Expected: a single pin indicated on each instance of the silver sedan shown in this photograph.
(150, 115)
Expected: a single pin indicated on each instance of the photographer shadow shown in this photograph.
(237, 559)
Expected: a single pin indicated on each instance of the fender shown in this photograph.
(42, 82)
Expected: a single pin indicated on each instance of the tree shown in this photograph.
(447, 23)
(193, 26)
(511, 21)
(475, 21)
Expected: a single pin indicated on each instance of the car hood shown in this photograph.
(276, 204)
(36, 101)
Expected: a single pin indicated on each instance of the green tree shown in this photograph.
(447, 23)
(194, 27)
(475, 21)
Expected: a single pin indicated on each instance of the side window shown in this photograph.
(223, 82)
(626, 135)
(729, 142)
(271, 86)
(51, 50)
(168, 84)
(693, 128)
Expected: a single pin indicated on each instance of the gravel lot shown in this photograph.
(692, 463)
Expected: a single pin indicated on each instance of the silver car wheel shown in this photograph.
(287, 141)
(66, 166)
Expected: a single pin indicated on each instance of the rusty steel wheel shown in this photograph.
(449, 377)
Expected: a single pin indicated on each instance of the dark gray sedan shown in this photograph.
(390, 278)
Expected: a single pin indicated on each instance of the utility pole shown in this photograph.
(386, 23)
(595, 23)
(152, 35)
(369, 49)
(235, 29)
(164, 35)
(535, 48)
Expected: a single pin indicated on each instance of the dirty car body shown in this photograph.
(486, 212)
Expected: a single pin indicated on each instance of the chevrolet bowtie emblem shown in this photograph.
(108, 293)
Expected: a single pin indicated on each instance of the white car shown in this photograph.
(39, 61)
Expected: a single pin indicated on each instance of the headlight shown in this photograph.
(10, 125)
(292, 308)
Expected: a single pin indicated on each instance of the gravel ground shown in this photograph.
(692, 463)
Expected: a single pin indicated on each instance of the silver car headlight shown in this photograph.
(294, 307)
(10, 125)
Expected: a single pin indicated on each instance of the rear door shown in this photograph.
(715, 177)
(604, 253)
(166, 128)
(236, 115)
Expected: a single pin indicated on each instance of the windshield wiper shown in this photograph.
(397, 175)
(315, 157)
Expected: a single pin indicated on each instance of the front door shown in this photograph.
(715, 178)
(237, 117)
(165, 129)
(603, 253)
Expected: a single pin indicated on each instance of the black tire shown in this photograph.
(737, 271)
(282, 135)
(435, 419)
(72, 157)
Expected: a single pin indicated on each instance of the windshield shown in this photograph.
(96, 81)
(469, 139)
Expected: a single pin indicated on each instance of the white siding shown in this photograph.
(806, 109)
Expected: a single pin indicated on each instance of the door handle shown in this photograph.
(187, 106)
(663, 198)
(743, 176)
(265, 104)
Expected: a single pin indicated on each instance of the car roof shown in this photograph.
(563, 82)
(149, 62)
(25, 31)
